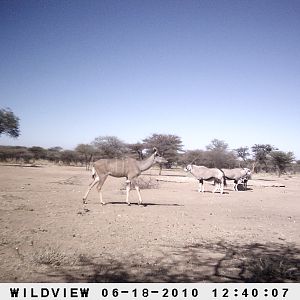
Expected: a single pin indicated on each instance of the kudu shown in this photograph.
(126, 167)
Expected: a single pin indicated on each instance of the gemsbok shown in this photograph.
(239, 175)
(203, 173)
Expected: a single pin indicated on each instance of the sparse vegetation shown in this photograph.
(263, 158)
(272, 268)
(281, 160)
(52, 256)
(176, 236)
(144, 183)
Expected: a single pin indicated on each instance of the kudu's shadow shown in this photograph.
(144, 204)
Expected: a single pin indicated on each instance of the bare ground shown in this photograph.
(178, 235)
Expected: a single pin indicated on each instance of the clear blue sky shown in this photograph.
(75, 70)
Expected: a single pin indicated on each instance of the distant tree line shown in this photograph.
(259, 157)
(263, 157)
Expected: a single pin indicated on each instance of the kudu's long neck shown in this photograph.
(146, 163)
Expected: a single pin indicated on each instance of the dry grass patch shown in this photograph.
(53, 256)
(144, 183)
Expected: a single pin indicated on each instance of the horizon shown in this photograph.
(184, 149)
(201, 70)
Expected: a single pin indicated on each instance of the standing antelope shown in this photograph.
(203, 173)
(239, 175)
(126, 167)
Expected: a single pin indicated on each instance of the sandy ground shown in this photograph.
(178, 235)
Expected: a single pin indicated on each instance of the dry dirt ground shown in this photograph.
(178, 235)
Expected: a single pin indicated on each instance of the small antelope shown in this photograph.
(126, 167)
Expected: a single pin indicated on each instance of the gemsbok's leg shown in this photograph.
(201, 186)
(235, 185)
(222, 187)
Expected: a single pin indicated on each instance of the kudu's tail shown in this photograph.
(93, 173)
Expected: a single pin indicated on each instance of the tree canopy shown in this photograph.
(281, 160)
(9, 123)
(242, 152)
(168, 145)
(87, 151)
(109, 147)
(261, 154)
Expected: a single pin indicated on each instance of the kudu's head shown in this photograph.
(158, 158)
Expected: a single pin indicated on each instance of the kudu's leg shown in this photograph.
(128, 184)
(92, 184)
(99, 187)
(139, 194)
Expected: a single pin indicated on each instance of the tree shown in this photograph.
(242, 153)
(9, 123)
(196, 157)
(261, 155)
(137, 148)
(15, 153)
(87, 151)
(110, 147)
(282, 160)
(218, 155)
(38, 152)
(168, 146)
(57, 149)
(54, 154)
(217, 145)
(69, 156)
